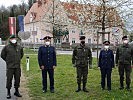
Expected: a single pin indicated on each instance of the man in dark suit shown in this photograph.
(106, 63)
(47, 63)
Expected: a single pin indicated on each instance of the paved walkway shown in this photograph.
(94, 54)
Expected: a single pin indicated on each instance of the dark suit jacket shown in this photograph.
(106, 59)
(47, 56)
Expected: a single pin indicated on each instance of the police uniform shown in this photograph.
(81, 57)
(47, 58)
(12, 55)
(106, 63)
(124, 56)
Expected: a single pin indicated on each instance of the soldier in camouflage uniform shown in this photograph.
(81, 57)
(12, 55)
(124, 56)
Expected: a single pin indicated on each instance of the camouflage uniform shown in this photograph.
(124, 56)
(12, 55)
(81, 57)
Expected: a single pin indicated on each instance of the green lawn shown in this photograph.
(65, 82)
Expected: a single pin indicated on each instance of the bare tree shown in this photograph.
(56, 20)
(102, 13)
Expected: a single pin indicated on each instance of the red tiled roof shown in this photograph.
(38, 9)
(72, 9)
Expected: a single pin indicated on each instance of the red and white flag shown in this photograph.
(12, 25)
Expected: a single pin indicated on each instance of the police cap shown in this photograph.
(124, 37)
(82, 37)
(46, 37)
(106, 42)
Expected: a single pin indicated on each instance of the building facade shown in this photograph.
(48, 15)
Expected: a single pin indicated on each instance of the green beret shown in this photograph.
(12, 36)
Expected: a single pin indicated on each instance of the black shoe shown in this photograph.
(17, 94)
(44, 91)
(78, 90)
(85, 90)
(52, 91)
(8, 96)
(109, 90)
(121, 88)
(128, 89)
(103, 88)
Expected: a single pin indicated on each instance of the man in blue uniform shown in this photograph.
(106, 63)
(47, 63)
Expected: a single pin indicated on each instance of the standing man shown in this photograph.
(47, 63)
(106, 63)
(124, 56)
(81, 57)
(12, 55)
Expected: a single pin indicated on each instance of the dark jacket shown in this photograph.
(47, 56)
(82, 56)
(12, 55)
(124, 54)
(106, 59)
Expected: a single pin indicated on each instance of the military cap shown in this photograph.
(124, 37)
(106, 42)
(82, 37)
(46, 37)
(12, 36)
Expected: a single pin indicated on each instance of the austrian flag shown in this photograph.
(12, 25)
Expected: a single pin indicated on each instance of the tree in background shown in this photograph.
(4, 30)
(101, 14)
(30, 3)
(11, 11)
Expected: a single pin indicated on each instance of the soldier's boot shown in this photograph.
(8, 94)
(128, 87)
(121, 86)
(17, 93)
(84, 87)
(79, 88)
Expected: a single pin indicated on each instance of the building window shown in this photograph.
(37, 28)
(67, 40)
(73, 40)
(73, 31)
(58, 41)
(31, 18)
(89, 41)
(37, 40)
(30, 29)
(50, 16)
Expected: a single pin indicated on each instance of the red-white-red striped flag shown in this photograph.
(12, 25)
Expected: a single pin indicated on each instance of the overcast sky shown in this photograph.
(7, 3)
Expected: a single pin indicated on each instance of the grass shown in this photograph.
(30, 51)
(65, 82)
